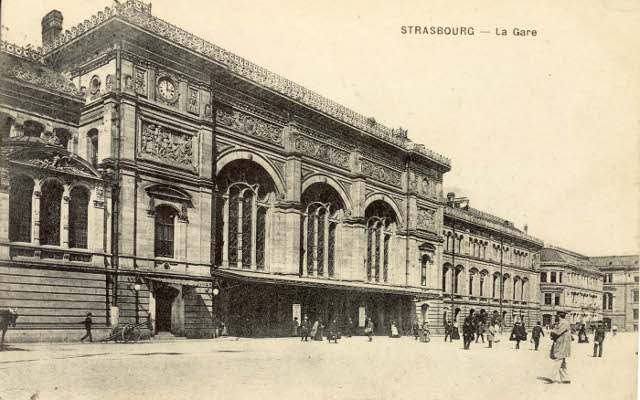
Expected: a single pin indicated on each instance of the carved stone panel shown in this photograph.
(380, 173)
(249, 125)
(141, 81)
(321, 151)
(194, 101)
(426, 219)
(160, 143)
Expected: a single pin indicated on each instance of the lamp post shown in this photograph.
(137, 288)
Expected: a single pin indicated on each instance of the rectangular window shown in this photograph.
(635, 314)
(557, 303)
(635, 296)
(636, 279)
(553, 277)
(560, 277)
(547, 298)
(543, 277)
(423, 274)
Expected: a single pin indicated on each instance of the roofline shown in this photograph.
(138, 13)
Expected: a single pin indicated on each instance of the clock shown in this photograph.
(167, 89)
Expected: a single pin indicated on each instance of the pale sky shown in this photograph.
(541, 131)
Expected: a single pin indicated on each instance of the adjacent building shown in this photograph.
(620, 297)
(569, 282)
(489, 265)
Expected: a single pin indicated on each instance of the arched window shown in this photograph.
(445, 270)
(92, 137)
(50, 204)
(20, 209)
(456, 283)
(472, 276)
(381, 223)
(496, 286)
(321, 219)
(246, 200)
(165, 231)
(483, 278)
(78, 218)
(423, 269)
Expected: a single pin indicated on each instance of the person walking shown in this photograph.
(87, 326)
(304, 329)
(350, 328)
(582, 334)
(416, 329)
(368, 329)
(491, 335)
(468, 330)
(448, 330)
(394, 330)
(426, 333)
(535, 335)
(598, 340)
(614, 330)
(332, 333)
(518, 334)
(560, 350)
(480, 331)
(295, 325)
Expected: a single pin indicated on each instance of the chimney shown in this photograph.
(526, 228)
(51, 27)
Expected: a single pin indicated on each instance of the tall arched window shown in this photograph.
(423, 269)
(165, 231)
(20, 209)
(472, 276)
(458, 275)
(483, 278)
(50, 204)
(78, 218)
(320, 221)
(496, 286)
(247, 196)
(446, 269)
(381, 223)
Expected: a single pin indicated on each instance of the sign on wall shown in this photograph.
(361, 316)
(297, 312)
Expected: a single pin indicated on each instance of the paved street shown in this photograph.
(287, 369)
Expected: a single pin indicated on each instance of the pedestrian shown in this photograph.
(535, 335)
(394, 330)
(560, 350)
(350, 327)
(448, 330)
(316, 331)
(614, 330)
(87, 326)
(468, 330)
(455, 331)
(518, 334)
(304, 329)
(294, 327)
(480, 331)
(582, 334)
(332, 333)
(491, 334)
(598, 340)
(368, 329)
(426, 333)
(416, 329)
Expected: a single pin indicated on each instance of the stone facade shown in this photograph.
(487, 264)
(620, 297)
(569, 282)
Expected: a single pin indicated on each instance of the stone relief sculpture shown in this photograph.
(166, 144)
(249, 125)
(380, 173)
(426, 219)
(322, 151)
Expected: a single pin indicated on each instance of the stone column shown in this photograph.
(64, 218)
(35, 210)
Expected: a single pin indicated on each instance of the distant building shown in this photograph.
(569, 282)
(488, 264)
(620, 299)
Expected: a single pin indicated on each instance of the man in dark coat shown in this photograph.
(468, 329)
(448, 330)
(535, 335)
(598, 340)
(304, 329)
(87, 326)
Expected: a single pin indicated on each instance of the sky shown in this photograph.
(543, 130)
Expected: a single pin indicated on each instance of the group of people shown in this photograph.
(316, 331)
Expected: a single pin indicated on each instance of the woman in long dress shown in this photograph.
(368, 329)
(319, 331)
(314, 330)
(394, 330)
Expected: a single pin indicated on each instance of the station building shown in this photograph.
(621, 288)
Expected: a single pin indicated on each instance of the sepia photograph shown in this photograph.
(347, 200)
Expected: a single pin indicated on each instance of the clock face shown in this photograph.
(167, 89)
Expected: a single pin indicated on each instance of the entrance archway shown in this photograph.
(165, 296)
(424, 312)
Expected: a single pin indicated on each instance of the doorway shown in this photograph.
(164, 295)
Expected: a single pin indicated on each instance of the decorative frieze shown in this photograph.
(380, 173)
(166, 144)
(249, 125)
(426, 220)
(57, 163)
(321, 151)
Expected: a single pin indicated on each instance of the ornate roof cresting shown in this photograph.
(139, 14)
